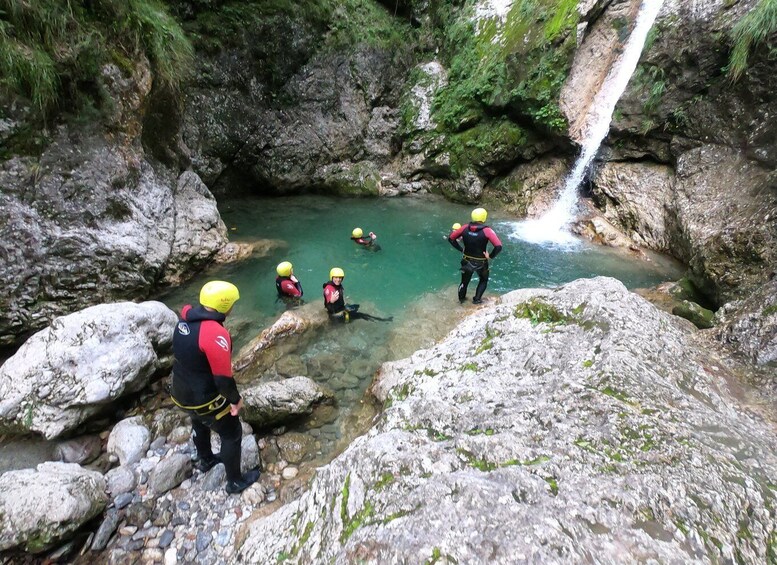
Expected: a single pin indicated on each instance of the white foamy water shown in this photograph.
(551, 227)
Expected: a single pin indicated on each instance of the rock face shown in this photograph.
(93, 218)
(750, 326)
(81, 363)
(689, 167)
(42, 506)
(558, 425)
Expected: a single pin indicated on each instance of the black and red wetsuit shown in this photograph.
(202, 371)
(366, 241)
(287, 287)
(338, 306)
(476, 237)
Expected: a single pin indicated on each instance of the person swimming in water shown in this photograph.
(287, 285)
(357, 236)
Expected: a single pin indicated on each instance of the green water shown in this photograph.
(314, 234)
(413, 278)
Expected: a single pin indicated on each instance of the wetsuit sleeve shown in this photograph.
(328, 290)
(456, 234)
(492, 237)
(216, 344)
(290, 288)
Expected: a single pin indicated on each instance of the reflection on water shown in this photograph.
(412, 278)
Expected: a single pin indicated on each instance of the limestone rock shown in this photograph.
(557, 424)
(271, 403)
(41, 507)
(68, 372)
(279, 339)
(129, 440)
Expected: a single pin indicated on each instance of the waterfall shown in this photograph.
(550, 228)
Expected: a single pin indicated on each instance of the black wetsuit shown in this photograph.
(342, 312)
(476, 237)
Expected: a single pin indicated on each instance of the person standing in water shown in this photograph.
(476, 237)
(288, 286)
(203, 385)
(334, 301)
(357, 236)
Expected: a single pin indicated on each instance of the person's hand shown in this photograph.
(234, 409)
(486, 255)
(373, 236)
(334, 296)
(293, 279)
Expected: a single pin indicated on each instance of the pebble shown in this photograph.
(153, 555)
(203, 541)
(122, 500)
(223, 538)
(128, 530)
(166, 539)
(171, 556)
(271, 496)
(289, 473)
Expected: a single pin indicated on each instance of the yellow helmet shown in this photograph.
(479, 215)
(336, 272)
(284, 269)
(357, 233)
(455, 226)
(219, 295)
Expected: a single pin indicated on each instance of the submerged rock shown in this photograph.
(275, 402)
(555, 426)
(84, 361)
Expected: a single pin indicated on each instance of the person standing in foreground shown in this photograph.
(203, 385)
(476, 236)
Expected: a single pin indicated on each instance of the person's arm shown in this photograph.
(455, 235)
(290, 288)
(216, 344)
(492, 237)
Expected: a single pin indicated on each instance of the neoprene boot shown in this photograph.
(205, 464)
(234, 487)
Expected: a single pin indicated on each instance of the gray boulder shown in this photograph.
(129, 440)
(41, 507)
(84, 361)
(558, 426)
(271, 403)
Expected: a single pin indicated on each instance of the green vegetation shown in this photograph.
(553, 484)
(769, 310)
(488, 341)
(520, 64)
(51, 51)
(539, 312)
(470, 367)
(751, 31)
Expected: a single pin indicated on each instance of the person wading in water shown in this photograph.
(334, 301)
(288, 286)
(476, 236)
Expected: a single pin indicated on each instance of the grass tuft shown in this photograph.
(749, 32)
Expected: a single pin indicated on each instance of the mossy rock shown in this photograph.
(697, 315)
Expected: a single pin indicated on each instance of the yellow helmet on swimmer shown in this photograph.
(219, 295)
(284, 269)
(336, 272)
(455, 226)
(357, 233)
(479, 215)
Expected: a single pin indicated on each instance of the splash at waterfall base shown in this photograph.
(588, 426)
